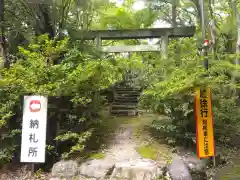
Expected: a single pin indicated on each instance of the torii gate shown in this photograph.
(124, 34)
(163, 33)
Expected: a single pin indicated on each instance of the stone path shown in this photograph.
(123, 146)
(121, 160)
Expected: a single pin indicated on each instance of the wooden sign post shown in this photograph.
(34, 130)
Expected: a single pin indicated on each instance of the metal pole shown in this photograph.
(206, 43)
(32, 170)
(205, 47)
(202, 18)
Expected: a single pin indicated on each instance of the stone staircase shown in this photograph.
(125, 101)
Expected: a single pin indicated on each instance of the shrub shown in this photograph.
(72, 80)
(173, 95)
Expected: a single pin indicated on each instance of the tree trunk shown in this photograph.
(174, 13)
(213, 29)
(43, 21)
(3, 45)
(238, 37)
(236, 17)
(198, 8)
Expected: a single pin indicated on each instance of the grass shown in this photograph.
(147, 151)
(149, 148)
(233, 172)
(138, 132)
(97, 156)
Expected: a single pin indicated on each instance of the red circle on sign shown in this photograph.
(35, 106)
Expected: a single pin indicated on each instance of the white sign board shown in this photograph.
(34, 129)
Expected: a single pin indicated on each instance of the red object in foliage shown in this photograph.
(206, 42)
(35, 106)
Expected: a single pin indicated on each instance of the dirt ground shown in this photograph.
(127, 139)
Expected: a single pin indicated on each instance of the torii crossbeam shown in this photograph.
(124, 34)
(140, 33)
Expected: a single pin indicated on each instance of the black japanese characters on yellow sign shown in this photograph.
(204, 123)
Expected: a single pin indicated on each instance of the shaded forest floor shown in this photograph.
(129, 138)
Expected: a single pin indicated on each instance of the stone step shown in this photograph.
(125, 103)
(124, 107)
(125, 100)
(126, 96)
(124, 112)
(128, 92)
(127, 89)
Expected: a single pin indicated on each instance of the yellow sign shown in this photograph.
(204, 123)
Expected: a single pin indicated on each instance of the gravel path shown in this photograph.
(123, 146)
(17, 172)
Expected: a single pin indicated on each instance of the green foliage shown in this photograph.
(97, 156)
(124, 17)
(172, 94)
(56, 69)
(79, 140)
(73, 79)
(147, 152)
(38, 174)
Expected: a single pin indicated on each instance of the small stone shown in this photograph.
(85, 178)
(196, 166)
(97, 168)
(138, 169)
(65, 169)
(194, 163)
(178, 170)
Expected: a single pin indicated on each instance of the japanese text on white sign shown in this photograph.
(34, 129)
